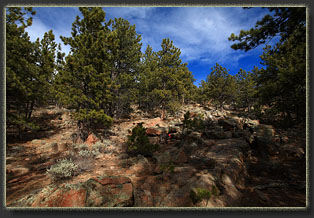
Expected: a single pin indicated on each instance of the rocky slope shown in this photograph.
(235, 161)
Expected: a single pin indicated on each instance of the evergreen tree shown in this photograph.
(201, 95)
(146, 80)
(282, 85)
(45, 53)
(169, 77)
(247, 89)
(124, 60)
(164, 82)
(21, 70)
(84, 83)
(58, 89)
(220, 86)
(284, 22)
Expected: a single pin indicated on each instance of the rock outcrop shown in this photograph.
(107, 191)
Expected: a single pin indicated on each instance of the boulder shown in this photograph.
(228, 123)
(63, 197)
(91, 139)
(155, 131)
(251, 123)
(214, 133)
(107, 191)
(49, 148)
(140, 166)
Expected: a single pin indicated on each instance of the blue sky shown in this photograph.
(201, 33)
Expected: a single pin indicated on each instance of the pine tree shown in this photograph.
(282, 85)
(45, 53)
(124, 60)
(247, 88)
(220, 86)
(284, 22)
(21, 70)
(84, 83)
(146, 80)
(169, 77)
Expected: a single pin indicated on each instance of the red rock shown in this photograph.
(59, 198)
(72, 198)
(91, 139)
(113, 180)
(153, 131)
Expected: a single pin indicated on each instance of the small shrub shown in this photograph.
(85, 153)
(80, 147)
(167, 167)
(94, 118)
(63, 169)
(100, 147)
(197, 123)
(138, 142)
(174, 107)
(199, 194)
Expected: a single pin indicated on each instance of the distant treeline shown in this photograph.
(106, 72)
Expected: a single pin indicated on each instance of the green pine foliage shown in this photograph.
(138, 142)
(247, 89)
(220, 87)
(83, 84)
(189, 124)
(105, 72)
(29, 68)
(281, 85)
(164, 81)
(199, 194)
(124, 50)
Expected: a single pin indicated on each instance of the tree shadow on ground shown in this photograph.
(46, 129)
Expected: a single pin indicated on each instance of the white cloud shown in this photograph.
(200, 32)
(129, 12)
(197, 31)
(38, 29)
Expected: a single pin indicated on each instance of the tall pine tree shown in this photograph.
(124, 61)
(220, 87)
(84, 83)
(169, 77)
(247, 88)
(21, 69)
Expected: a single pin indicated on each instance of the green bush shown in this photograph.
(138, 142)
(94, 118)
(197, 123)
(167, 167)
(63, 169)
(199, 194)
(88, 153)
(174, 107)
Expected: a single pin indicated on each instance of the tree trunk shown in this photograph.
(163, 111)
(30, 110)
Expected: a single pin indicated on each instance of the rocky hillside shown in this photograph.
(230, 161)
